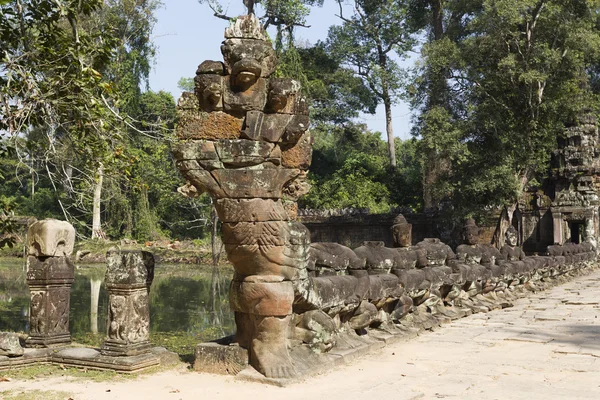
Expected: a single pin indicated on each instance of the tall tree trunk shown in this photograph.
(96, 223)
(95, 296)
(437, 164)
(387, 103)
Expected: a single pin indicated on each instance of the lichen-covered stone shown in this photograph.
(195, 150)
(130, 268)
(201, 125)
(295, 129)
(211, 67)
(204, 181)
(298, 155)
(267, 127)
(242, 152)
(209, 89)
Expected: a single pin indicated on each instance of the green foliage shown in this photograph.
(513, 75)
(350, 169)
(186, 84)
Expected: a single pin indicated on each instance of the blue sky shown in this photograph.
(187, 33)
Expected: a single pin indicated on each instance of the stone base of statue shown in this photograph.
(93, 359)
(118, 349)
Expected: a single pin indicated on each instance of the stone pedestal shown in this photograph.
(128, 278)
(50, 275)
(49, 281)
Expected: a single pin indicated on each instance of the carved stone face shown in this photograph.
(402, 234)
(244, 74)
(470, 232)
(511, 236)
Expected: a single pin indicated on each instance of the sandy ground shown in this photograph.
(545, 347)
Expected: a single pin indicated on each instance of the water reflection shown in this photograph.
(183, 298)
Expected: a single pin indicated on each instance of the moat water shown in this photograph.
(188, 299)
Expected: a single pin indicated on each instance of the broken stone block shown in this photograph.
(316, 329)
(295, 129)
(295, 188)
(195, 124)
(211, 67)
(49, 280)
(269, 127)
(378, 258)
(128, 278)
(9, 345)
(217, 358)
(51, 238)
(188, 101)
(333, 259)
(203, 181)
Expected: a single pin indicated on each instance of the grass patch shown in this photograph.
(88, 339)
(47, 370)
(35, 395)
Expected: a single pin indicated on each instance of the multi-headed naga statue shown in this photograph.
(244, 140)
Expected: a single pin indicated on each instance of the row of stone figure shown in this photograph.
(424, 285)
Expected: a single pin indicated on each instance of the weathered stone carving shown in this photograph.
(51, 238)
(249, 149)
(50, 275)
(128, 278)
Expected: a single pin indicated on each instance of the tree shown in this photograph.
(516, 74)
(367, 41)
(50, 82)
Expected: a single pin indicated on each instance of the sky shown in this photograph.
(187, 33)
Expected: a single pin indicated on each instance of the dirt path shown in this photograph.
(546, 346)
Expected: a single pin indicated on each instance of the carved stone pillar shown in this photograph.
(50, 275)
(129, 275)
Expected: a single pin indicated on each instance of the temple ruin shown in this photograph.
(303, 307)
